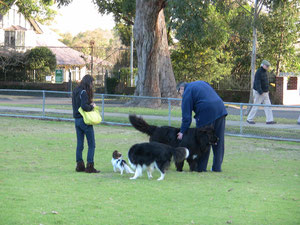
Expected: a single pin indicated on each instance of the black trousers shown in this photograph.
(218, 150)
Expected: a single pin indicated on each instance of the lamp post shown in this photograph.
(92, 44)
(131, 57)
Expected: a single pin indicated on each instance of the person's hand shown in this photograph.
(93, 104)
(179, 136)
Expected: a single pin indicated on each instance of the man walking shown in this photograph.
(209, 109)
(261, 93)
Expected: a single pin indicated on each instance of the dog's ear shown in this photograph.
(115, 154)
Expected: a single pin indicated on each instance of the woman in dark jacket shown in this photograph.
(83, 97)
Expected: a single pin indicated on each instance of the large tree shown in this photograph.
(155, 73)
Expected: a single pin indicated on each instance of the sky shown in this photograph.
(80, 16)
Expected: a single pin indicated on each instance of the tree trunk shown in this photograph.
(253, 56)
(280, 49)
(155, 73)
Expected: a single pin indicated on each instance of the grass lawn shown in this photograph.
(38, 185)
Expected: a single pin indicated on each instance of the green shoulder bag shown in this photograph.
(91, 118)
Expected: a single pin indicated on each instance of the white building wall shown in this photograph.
(82, 72)
(291, 97)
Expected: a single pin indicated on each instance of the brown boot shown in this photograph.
(80, 167)
(90, 168)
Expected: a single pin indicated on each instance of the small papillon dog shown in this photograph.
(119, 163)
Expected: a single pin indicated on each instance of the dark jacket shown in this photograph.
(80, 99)
(201, 98)
(261, 82)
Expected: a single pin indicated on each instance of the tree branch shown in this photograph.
(126, 19)
(244, 8)
(261, 6)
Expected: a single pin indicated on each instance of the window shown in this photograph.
(20, 40)
(15, 38)
(10, 39)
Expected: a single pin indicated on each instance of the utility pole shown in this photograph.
(131, 57)
(70, 82)
(92, 44)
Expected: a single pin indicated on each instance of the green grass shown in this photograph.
(259, 183)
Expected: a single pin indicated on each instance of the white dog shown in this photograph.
(119, 163)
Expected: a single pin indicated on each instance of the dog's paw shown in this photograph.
(132, 178)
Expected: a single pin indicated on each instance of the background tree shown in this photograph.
(105, 42)
(281, 29)
(12, 67)
(42, 61)
(203, 32)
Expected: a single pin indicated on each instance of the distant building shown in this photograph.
(18, 33)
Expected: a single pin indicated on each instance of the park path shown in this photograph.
(29, 110)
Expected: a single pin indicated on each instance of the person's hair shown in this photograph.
(87, 85)
(180, 84)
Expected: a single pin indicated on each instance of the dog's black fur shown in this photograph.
(154, 155)
(196, 140)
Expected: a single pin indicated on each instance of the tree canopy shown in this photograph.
(40, 10)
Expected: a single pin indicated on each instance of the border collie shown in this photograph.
(196, 140)
(152, 156)
(119, 163)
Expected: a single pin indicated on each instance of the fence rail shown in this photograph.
(57, 105)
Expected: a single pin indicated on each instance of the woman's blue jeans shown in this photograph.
(87, 130)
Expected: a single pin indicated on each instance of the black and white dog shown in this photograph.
(196, 140)
(154, 155)
(119, 163)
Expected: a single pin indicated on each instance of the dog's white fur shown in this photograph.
(117, 165)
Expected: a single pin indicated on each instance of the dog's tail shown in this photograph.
(180, 154)
(141, 125)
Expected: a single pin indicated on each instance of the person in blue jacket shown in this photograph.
(83, 97)
(209, 109)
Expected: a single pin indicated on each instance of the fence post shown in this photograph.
(241, 118)
(102, 112)
(169, 104)
(44, 103)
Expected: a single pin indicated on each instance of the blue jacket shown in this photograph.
(201, 98)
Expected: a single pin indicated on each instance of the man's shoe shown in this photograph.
(90, 168)
(271, 122)
(250, 122)
(80, 167)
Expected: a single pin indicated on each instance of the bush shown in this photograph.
(42, 60)
(12, 67)
(111, 84)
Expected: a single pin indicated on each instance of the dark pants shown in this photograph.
(87, 130)
(218, 150)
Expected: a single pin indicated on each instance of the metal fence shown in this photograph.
(54, 105)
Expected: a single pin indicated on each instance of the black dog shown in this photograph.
(154, 155)
(196, 140)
